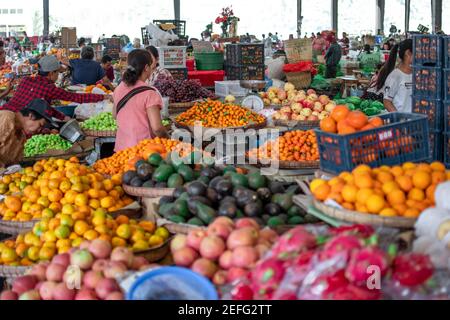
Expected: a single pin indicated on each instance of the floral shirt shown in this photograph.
(159, 72)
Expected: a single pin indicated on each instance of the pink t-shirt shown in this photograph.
(132, 120)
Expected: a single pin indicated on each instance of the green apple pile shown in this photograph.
(102, 122)
(41, 144)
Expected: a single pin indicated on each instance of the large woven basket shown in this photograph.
(300, 125)
(148, 192)
(301, 80)
(100, 134)
(367, 219)
(255, 126)
(15, 228)
(175, 108)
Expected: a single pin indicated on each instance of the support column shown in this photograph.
(46, 17)
(436, 15)
(299, 18)
(407, 14)
(177, 9)
(380, 10)
(334, 15)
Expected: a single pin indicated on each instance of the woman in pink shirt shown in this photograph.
(137, 105)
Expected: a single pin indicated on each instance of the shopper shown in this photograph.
(16, 126)
(81, 43)
(396, 82)
(86, 70)
(107, 67)
(137, 106)
(159, 72)
(332, 57)
(42, 86)
(319, 44)
(369, 59)
(345, 43)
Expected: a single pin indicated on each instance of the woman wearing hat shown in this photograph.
(42, 86)
(332, 57)
(16, 126)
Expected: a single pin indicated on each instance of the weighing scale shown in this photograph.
(253, 101)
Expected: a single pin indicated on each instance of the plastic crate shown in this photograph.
(180, 26)
(245, 54)
(446, 84)
(432, 108)
(179, 73)
(256, 72)
(446, 147)
(172, 57)
(427, 50)
(446, 115)
(404, 137)
(447, 52)
(436, 148)
(427, 82)
(225, 88)
(207, 61)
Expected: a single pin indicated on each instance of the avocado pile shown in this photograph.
(227, 193)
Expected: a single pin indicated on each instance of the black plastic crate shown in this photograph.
(446, 51)
(179, 73)
(446, 84)
(180, 26)
(245, 54)
(427, 50)
(446, 143)
(256, 72)
(427, 82)
(404, 137)
(432, 108)
(446, 115)
(436, 147)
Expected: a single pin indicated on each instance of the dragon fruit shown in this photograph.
(242, 292)
(294, 242)
(266, 277)
(357, 270)
(355, 230)
(412, 270)
(343, 244)
(351, 292)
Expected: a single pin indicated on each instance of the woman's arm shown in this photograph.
(154, 118)
(389, 106)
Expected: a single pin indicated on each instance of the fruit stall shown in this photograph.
(331, 192)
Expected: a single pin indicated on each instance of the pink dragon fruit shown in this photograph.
(343, 244)
(294, 242)
(412, 269)
(351, 292)
(357, 270)
(266, 278)
(242, 292)
(356, 230)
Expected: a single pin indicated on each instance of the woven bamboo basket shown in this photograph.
(148, 192)
(300, 125)
(175, 108)
(287, 164)
(100, 134)
(14, 228)
(255, 126)
(301, 80)
(367, 219)
(158, 253)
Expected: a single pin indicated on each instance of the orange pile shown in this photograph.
(400, 191)
(89, 89)
(124, 160)
(343, 121)
(215, 114)
(56, 185)
(300, 146)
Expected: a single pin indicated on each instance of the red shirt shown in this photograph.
(38, 87)
(110, 73)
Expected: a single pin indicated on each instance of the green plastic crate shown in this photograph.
(209, 61)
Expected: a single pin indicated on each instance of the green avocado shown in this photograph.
(196, 222)
(205, 213)
(186, 172)
(181, 209)
(275, 222)
(256, 181)
(155, 159)
(176, 219)
(239, 180)
(295, 221)
(175, 181)
(163, 173)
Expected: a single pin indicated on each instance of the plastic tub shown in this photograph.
(172, 283)
(209, 61)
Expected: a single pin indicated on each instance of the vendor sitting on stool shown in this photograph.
(42, 86)
(332, 57)
(16, 126)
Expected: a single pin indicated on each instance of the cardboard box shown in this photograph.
(68, 37)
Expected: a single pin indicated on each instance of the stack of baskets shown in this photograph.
(298, 50)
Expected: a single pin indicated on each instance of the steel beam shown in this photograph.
(380, 10)
(436, 15)
(46, 17)
(177, 9)
(334, 15)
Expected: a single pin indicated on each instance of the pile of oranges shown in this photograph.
(399, 191)
(343, 121)
(55, 185)
(66, 230)
(89, 89)
(124, 160)
(300, 146)
(215, 114)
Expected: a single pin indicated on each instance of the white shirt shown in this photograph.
(398, 90)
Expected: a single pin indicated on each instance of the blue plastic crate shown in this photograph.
(446, 51)
(432, 108)
(446, 115)
(436, 148)
(427, 82)
(446, 143)
(404, 137)
(446, 84)
(427, 50)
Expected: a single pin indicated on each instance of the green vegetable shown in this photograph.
(351, 106)
(378, 105)
(41, 144)
(102, 122)
(371, 111)
(354, 100)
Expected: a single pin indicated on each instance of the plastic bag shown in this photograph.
(89, 110)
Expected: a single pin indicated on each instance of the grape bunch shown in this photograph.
(41, 144)
(102, 122)
(180, 91)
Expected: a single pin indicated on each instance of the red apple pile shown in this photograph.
(224, 252)
(87, 273)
